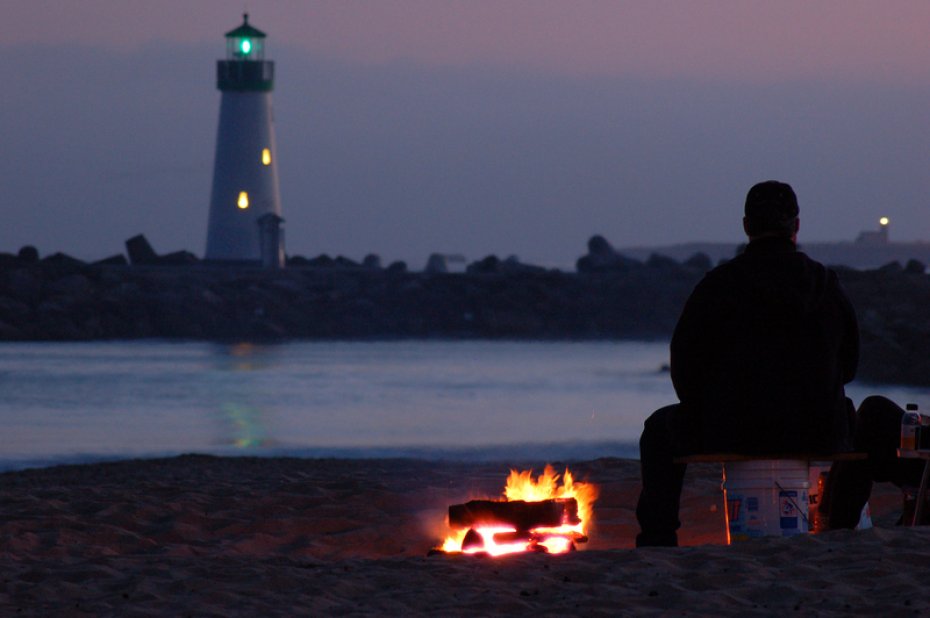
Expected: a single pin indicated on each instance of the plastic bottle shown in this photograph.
(909, 423)
(922, 440)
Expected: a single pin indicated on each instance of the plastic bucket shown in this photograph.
(766, 498)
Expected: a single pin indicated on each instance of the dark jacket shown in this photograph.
(761, 353)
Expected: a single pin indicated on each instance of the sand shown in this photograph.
(206, 536)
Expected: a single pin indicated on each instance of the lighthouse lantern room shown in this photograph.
(245, 172)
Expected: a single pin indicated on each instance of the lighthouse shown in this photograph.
(245, 168)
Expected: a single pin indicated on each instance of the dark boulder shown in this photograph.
(321, 261)
(372, 262)
(699, 262)
(490, 264)
(513, 265)
(177, 258)
(25, 285)
(662, 262)
(28, 254)
(74, 285)
(297, 260)
(63, 260)
(436, 264)
(891, 268)
(344, 262)
(140, 251)
(114, 260)
(915, 267)
(602, 257)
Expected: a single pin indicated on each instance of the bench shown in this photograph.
(730, 457)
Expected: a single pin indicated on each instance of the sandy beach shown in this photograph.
(207, 536)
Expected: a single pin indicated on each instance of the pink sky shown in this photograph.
(478, 126)
(743, 39)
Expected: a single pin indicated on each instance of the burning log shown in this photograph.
(525, 536)
(520, 514)
(521, 536)
(536, 515)
(472, 539)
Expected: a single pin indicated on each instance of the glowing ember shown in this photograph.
(497, 539)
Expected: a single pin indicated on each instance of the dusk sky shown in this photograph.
(407, 127)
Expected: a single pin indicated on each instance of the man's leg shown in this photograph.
(847, 489)
(657, 510)
(878, 433)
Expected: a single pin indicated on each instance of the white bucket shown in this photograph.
(766, 498)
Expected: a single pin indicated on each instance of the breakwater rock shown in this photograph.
(68, 301)
(893, 307)
(58, 298)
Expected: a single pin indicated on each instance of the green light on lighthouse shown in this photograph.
(246, 43)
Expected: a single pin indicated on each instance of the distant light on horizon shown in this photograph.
(884, 221)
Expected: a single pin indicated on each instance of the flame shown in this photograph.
(522, 486)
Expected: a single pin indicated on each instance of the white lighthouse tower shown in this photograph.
(245, 170)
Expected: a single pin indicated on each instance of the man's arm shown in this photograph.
(686, 348)
(849, 350)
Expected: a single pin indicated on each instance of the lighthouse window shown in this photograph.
(243, 202)
(266, 156)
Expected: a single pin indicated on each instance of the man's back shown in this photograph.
(762, 351)
(759, 359)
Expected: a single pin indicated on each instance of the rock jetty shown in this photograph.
(609, 297)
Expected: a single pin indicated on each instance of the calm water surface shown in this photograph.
(465, 399)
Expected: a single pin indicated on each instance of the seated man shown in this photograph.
(759, 360)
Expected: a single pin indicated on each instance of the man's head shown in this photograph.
(771, 210)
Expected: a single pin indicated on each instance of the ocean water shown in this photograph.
(73, 402)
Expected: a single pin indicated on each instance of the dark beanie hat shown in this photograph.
(771, 202)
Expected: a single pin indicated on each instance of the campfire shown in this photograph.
(535, 515)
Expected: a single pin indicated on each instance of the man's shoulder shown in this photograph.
(745, 272)
(821, 269)
(726, 271)
(811, 261)
(748, 263)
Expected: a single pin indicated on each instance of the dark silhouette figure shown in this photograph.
(759, 360)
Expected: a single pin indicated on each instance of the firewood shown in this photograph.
(516, 536)
(520, 514)
(525, 536)
(575, 537)
(472, 539)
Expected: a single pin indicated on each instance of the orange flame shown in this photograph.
(522, 486)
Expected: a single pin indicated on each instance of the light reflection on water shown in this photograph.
(245, 419)
(470, 398)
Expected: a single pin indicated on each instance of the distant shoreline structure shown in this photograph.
(859, 255)
(871, 249)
